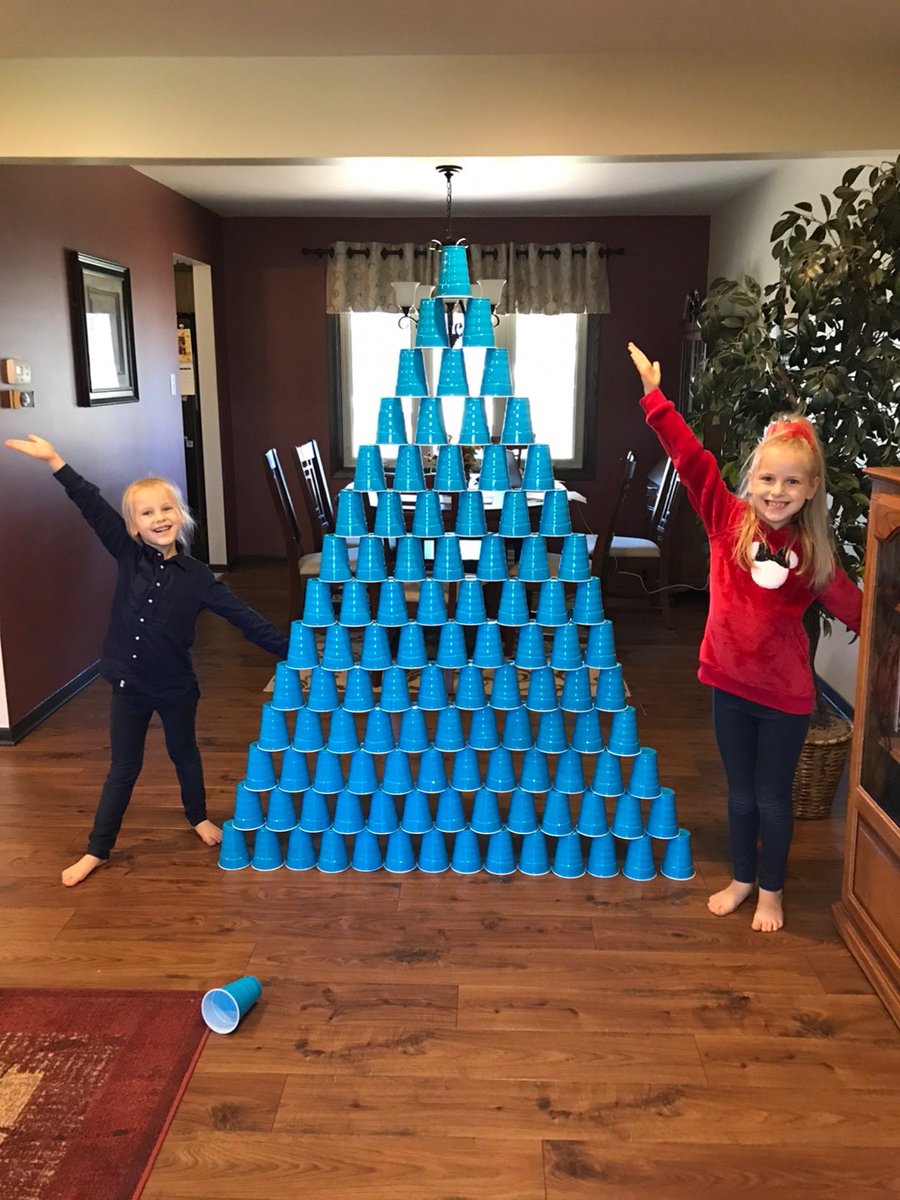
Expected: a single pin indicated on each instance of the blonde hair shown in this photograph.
(811, 525)
(174, 493)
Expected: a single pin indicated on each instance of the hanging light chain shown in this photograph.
(448, 170)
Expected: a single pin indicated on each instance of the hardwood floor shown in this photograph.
(450, 1037)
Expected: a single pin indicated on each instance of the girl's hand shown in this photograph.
(649, 371)
(37, 447)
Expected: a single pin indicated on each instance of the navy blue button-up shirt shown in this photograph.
(156, 604)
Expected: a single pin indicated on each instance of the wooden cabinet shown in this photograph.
(868, 913)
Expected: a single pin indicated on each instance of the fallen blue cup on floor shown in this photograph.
(223, 1008)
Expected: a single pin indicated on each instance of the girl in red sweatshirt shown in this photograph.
(771, 557)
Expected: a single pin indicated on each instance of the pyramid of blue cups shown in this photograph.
(448, 701)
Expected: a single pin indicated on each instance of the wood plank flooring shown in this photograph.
(464, 1038)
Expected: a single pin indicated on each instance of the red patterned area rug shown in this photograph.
(89, 1082)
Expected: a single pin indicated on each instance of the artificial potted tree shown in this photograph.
(824, 339)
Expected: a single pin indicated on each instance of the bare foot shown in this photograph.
(208, 833)
(769, 915)
(79, 871)
(732, 897)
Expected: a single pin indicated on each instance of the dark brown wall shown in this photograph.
(275, 320)
(56, 580)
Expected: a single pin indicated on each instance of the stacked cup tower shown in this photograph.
(454, 703)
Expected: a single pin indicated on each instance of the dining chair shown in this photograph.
(300, 565)
(316, 496)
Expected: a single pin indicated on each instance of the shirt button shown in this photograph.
(141, 620)
(157, 585)
(149, 601)
(134, 656)
(137, 637)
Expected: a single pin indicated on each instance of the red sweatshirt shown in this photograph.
(754, 645)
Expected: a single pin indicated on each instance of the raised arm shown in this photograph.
(37, 447)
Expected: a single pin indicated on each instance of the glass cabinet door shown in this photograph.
(880, 760)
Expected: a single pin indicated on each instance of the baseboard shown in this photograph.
(835, 699)
(11, 736)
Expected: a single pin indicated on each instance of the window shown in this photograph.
(552, 359)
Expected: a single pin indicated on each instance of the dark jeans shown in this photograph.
(760, 748)
(130, 713)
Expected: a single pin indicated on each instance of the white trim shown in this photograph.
(209, 413)
(4, 704)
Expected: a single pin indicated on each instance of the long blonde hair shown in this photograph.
(811, 525)
(174, 492)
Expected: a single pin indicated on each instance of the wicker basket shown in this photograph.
(821, 765)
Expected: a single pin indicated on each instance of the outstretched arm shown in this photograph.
(37, 447)
(649, 372)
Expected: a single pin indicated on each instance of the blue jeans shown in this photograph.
(759, 747)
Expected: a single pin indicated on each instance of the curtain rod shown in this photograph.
(543, 251)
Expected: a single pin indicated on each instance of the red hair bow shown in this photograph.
(800, 429)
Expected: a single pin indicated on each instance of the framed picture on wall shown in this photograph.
(103, 329)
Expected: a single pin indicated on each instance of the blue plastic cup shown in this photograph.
(574, 562)
(627, 822)
(478, 329)
(600, 651)
(301, 853)
(369, 473)
(294, 775)
(358, 694)
(342, 735)
(466, 858)
(587, 737)
(323, 693)
(470, 691)
(350, 518)
(450, 472)
(483, 730)
(677, 862)
(259, 774)
(224, 1008)
(533, 857)
(534, 566)
(432, 695)
(538, 473)
(411, 381)
(267, 855)
(308, 735)
(555, 518)
(470, 518)
(495, 380)
(389, 522)
(592, 820)
(302, 650)
(392, 610)
(499, 858)
(433, 856)
(399, 856)
(428, 521)
(663, 821)
(556, 820)
(333, 857)
(452, 379)
(643, 781)
(416, 815)
(607, 780)
(610, 695)
(233, 852)
(397, 777)
(382, 815)
(337, 653)
(314, 814)
(551, 732)
(517, 729)
(391, 426)
(530, 652)
(623, 739)
(465, 774)
(413, 736)
(394, 690)
(362, 778)
(409, 474)
(567, 860)
(432, 774)
(379, 735)
(639, 863)
(601, 861)
(453, 272)
(318, 609)
(494, 476)
(355, 605)
(521, 817)
(449, 817)
(432, 609)
(541, 690)
(334, 566)
(588, 606)
(370, 563)
(576, 691)
(535, 773)
(449, 736)
(328, 777)
(430, 428)
(431, 327)
(500, 775)
(517, 427)
(411, 652)
(474, 429)
(492, 559)
(566, 652)
(287, 695)
(376, 649)
(488, 651)
(505, 694)
(273, 730)
(485, 812)
(470, 608)
(409, 562)
(348, 814)
(451, 650)
(551, 606)
(248, 810)
(448, 563)
(513, 608)
(366, 855)
(514, 519)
